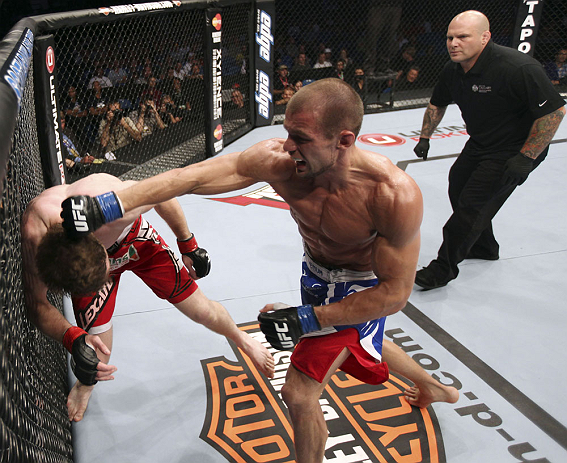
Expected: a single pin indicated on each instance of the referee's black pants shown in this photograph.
(477, 193)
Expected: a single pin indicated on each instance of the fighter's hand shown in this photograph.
(422, 148)
(200, 259)
(284, 327)
(517, 170)
(84, 362)
(84, 214)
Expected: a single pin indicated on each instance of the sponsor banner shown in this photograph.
(527, 25)
(14, 72)
(137, 8)
(264, 63)
(247, 421)
(47, 111)
(213, 81)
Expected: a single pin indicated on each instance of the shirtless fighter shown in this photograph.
(359, 217)
(89, 269)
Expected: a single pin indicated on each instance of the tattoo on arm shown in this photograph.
(431, 119)
(541, 133)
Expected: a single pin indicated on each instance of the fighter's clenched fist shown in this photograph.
(84, 214)
(284, 327)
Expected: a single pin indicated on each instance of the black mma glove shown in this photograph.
(199, 256)
(422, 148)
(517, 169)
(83, 357)
(284, 327)
(84, 214)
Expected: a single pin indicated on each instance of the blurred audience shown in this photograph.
(556, 69)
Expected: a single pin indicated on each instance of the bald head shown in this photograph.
(467, 35)
(474, 19)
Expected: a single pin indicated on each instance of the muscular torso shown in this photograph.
(340, 224)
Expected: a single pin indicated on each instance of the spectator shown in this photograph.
(281, 81)
(328, 55)
(179, 71)
(409, 81)
(343, 54)
(117, 130)
(147, 118)
(134, 69)
(359, 84)
(196, 70)
(340, 69)
(169, 112)
(152, 92)
(117, 75)
(179, 96)
(405, 60)
(298, 84)
(100, 78)
(74, 109)
(381, 29)
(322, 62)
(166, 84)
(286, 96)
(96, 105)
(236, 98)
(557, 69)
(144, 79)
(301, 63)
(72, 149)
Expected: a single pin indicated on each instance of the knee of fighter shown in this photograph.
(294, 397)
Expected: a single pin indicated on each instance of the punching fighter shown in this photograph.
(89, 269)
(359, 217)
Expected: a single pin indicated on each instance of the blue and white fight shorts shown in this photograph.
(322, 286)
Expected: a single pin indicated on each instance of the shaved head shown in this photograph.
(337, 105)
(474, 19)
(467, 35)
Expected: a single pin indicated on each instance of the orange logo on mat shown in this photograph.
(247, 422)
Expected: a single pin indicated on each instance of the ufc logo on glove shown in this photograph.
(78, 217)
(283, 330)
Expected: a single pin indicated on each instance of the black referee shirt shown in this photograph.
(499, 98)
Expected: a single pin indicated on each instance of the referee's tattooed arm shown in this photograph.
(542, 132)
(431, 118)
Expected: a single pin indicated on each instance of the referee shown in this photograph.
(512, 112)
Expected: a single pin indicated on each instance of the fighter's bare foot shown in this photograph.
(259, 355)
(78, 400)
(435, 392)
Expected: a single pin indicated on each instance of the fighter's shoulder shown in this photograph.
(395, 194)
(95, 184)
(267, 161)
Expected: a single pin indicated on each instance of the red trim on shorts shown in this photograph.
(313, 356)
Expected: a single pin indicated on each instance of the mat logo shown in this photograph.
(265, 196)
(381, 139)
(247, 422)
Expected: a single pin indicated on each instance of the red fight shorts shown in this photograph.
(313, 356)
(144, 252)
